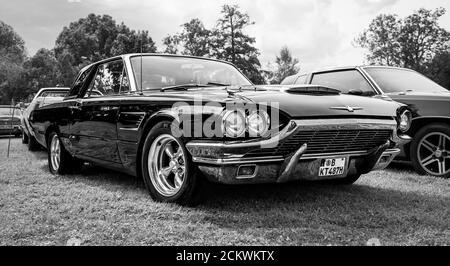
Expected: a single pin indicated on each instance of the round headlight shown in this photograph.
(258, 123)
(404, 123)
(233, 124)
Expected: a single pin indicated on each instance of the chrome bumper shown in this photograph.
(220, 161)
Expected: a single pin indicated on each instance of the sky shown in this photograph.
(319, 33)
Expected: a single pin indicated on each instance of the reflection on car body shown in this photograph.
(146, 121)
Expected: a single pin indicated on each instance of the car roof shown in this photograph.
(330, 69)
(129, 55)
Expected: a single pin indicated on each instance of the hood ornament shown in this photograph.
(348, 108)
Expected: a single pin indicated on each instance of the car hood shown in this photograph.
(423, 96)
(425, 104)
(295, 104)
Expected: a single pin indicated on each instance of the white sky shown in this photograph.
(318, 32)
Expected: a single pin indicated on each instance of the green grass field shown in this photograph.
(101, 207)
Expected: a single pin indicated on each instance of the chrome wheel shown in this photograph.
(167, 165)
(433, 153)
(55, 152)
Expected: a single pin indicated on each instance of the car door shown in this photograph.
(94, 124)
(349, 81)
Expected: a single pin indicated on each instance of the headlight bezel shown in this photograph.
(404, 121)
(246, 130)
(226, 129)
(261, 130)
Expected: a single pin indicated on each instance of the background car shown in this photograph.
(10, 120)
(429, 103)
(43, 97)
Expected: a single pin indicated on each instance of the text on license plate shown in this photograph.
(332, 167)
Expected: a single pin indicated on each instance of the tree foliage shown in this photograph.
(232, 44)
(226, 41)
(194, 40)
(12, 56)
(94, 38)
(42, 70)
(411, 42)
(286, 66)
(439, 69)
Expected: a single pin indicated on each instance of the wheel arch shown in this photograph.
(148, 125)
(421, 122)
(51, 128)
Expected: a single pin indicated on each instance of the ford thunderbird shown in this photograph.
(428, 102)
(178, 121)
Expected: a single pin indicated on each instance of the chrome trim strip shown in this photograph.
(275, 159)
(129, 129)
(271, 159)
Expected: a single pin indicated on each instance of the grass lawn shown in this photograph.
(101, 207)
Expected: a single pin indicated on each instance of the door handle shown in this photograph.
(73, 138)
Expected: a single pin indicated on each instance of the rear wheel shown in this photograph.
(430, 150)
(60, 162)
(167, 170)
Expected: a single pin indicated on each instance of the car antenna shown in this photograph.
(12, 109)
(141, 65)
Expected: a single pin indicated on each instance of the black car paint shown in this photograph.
(110, 130)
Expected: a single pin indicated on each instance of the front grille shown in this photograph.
(328, 141)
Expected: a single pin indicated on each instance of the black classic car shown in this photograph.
(9, 120)
(179, 121)
(429, 103)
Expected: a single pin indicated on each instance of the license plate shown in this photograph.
(332, 167)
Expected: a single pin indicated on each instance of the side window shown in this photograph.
(79, 82)
(301, 79)
(110, 79)
(344, 81)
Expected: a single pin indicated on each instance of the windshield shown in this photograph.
(7, 111)
(165, 71)
(393, 80)
(53, 94)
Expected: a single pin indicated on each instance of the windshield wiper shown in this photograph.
(183, 87)
(217, 84)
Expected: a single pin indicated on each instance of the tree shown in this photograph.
(94, 38)
(41, 70)
(422, 38)
(230, 43)
(439, 69)
(130, 41)
(193, 40)
(12, 54)
(411, 42)
(381, 39)
(286, 66)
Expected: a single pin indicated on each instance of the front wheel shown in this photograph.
(430, 150)
(60, 161)
(167, 170)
